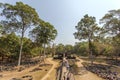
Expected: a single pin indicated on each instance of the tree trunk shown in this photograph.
(53, 52)
(44, 53)
(90, 52)
(21, 46)
(40, 56)
(2, 62)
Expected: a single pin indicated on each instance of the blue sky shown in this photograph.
(65, 14)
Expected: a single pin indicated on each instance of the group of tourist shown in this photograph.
(103, 71)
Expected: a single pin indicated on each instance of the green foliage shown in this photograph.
(9, 45)
(97, 49)
(44, 33)
(60, 48)
(111, 22)
(19, 17)
(1, 29)
(86, 28)
(49, 50)
(69, 48)
(36, 51)
(81, 48)
(108, 50)
(27, 46)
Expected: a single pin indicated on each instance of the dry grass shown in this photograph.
(37, 75)
(52, 75)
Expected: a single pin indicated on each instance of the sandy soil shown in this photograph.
(37, 75)
(51, 75)
(88, 75)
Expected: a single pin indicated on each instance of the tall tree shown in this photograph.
(19, 18)
(111, 22)
(53, 49)
(69, 48)
(111, 26)
(86, 30)
(60, 48)
(0, 29)
(44, 34)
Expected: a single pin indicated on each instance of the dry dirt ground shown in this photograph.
(51, 75)
(48, 72)
(45, 73)
(87, 75)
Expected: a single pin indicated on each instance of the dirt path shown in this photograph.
(9, 75)
(37, 75)
(88, 75)
(51, 73)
